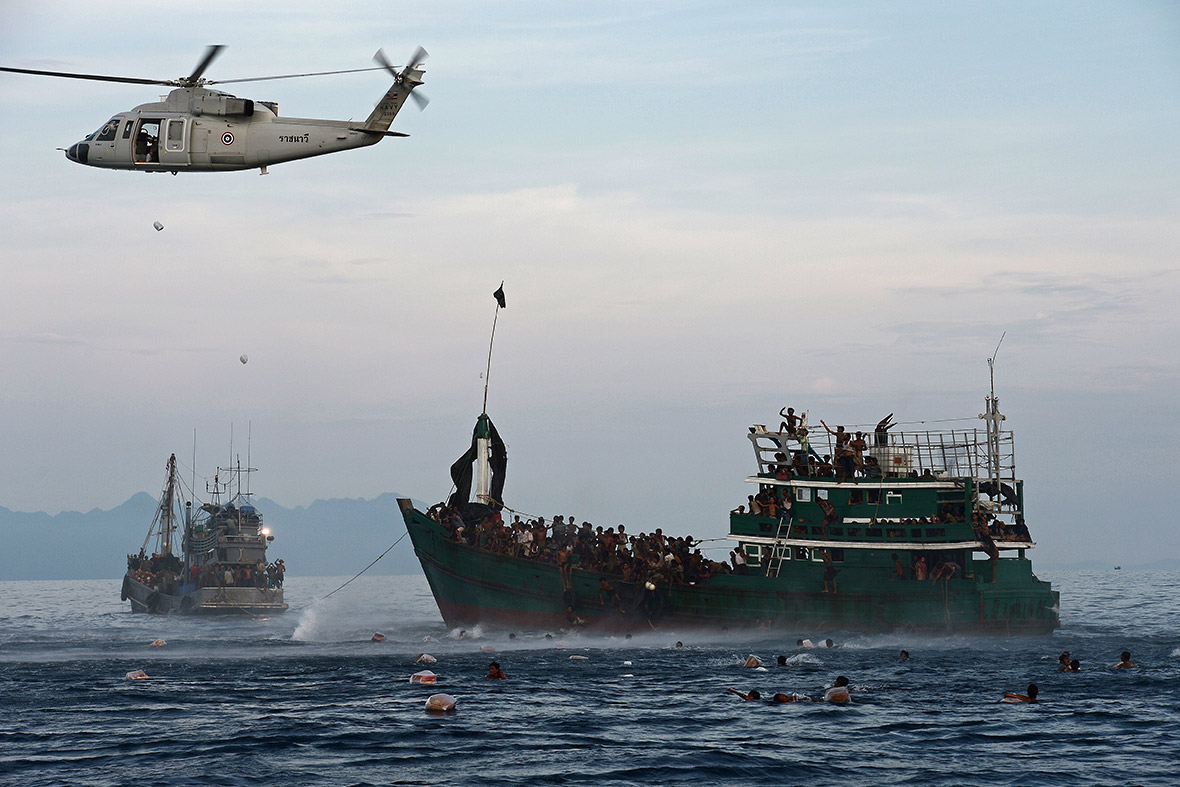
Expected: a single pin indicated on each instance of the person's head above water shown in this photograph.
(841, 681)
(1032, 691)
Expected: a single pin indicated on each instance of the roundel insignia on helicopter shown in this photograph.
(227, 138)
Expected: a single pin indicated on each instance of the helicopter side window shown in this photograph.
(127, 130)
(107, 132)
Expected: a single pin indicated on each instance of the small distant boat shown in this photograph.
(222, 567)
(1118, 568)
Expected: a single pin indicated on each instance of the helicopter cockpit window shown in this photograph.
(107, 132)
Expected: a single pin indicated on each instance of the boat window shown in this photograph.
(856, 497)
(873, 532)
(803, 495)
(896, 532)
(931, 532)
(817, 556)
(836, 531)
(874, 496)
(837, 555)
(822, 494)
(892, 497)
(817, 531)
(801, 553)
(107, 132)
(854, 532)
(916, 532)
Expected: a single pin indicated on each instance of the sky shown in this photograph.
(701, 212)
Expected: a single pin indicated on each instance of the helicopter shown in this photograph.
(195, 129)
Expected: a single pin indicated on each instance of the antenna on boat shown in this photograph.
(194, 485)
(500, 304)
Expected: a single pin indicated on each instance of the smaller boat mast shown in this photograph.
(164, 523)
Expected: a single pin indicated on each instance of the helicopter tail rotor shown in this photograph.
(410, 76)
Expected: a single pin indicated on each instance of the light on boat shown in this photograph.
(266, 531)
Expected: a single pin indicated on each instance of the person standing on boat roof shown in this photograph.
(790, 423)
(844, 459)
(881, 431)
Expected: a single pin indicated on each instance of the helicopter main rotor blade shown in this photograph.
(95, 77)
(288, 76)
(379, 57)
(211, 52)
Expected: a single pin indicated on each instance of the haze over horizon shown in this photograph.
(702, 212)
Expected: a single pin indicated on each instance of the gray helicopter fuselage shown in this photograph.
(194, 129)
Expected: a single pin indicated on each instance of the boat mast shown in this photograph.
(483, 434)
(993, 417)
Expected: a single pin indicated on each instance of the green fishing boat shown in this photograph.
(871, 528)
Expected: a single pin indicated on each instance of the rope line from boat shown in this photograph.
(366, 568)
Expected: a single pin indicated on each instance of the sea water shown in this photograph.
(307, 698)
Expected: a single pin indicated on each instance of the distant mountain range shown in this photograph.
(328, 538)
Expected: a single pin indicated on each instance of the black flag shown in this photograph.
(499, 296)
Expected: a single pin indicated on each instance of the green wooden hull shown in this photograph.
(475, 586)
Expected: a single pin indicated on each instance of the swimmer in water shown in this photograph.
(1125, 661)
(782, 661)
(494, 672)
(829, 644)
(1063, 662)
(679, 644)
(780, 698)
(905, 655)
(753, 661)
(1014, 699)
(1075, 666)
(752, 695)
(839, 691)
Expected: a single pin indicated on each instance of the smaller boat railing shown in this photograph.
(948, 453)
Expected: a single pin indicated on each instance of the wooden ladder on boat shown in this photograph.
(776, 549)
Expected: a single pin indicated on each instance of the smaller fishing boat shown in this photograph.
(222, 565)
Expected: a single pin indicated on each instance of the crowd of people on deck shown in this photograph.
(646, 558)
(165, 573)
(849, 460)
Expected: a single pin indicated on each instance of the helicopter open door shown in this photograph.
(147, 141)
(161, 141)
